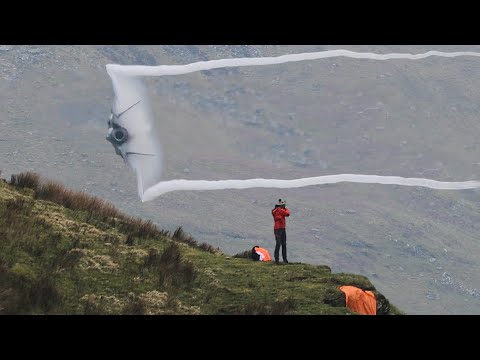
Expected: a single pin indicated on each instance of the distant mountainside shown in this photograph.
(86, 257)
(332, 116)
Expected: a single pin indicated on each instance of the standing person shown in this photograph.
(279, 213)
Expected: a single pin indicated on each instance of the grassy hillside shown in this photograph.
(64, 252)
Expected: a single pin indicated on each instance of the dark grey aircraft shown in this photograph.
(118, 135)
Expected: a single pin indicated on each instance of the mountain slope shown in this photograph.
(406, 118)
(88, 258)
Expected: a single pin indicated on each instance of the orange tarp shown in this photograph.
(360, 301)
(264, 254)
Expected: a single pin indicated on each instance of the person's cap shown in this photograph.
(281, 202)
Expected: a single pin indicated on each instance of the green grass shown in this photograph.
(81, 260)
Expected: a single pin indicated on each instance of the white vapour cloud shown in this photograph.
(174, 185)
(140, 70)
(142, 130)
(129, 88)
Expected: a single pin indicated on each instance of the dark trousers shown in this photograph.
(281, 238)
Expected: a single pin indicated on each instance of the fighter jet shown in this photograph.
(118, 135)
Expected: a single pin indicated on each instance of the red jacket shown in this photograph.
(279, 217)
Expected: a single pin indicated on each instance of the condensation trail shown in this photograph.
(174, 185)
(161, 70)
(125, 93)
